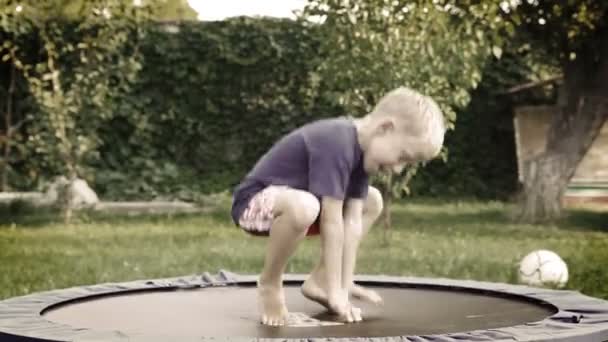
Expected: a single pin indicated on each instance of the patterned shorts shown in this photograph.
(258, 216)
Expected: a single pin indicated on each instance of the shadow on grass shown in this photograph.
(483, 219)
(25, 215)
(443, 218)
(22, 213)
(581, 219)
(436, 215)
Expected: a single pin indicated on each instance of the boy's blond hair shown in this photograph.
(419, 116)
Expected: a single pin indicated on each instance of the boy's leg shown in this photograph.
(372, 208)
(294, 212)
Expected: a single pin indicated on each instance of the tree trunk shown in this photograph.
(578, 119)
(544, 184)
(8, 126)
(67, 202)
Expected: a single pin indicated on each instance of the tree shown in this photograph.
(76, 9)
(82, 64)
(373, 46)
(11, 126)
(576, 34)
(13, 117)
(172, 10)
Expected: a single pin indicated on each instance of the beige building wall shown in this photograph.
(531, 126)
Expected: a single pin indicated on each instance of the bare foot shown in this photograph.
(314, 292)
(367, 295)
(311, 290)
(339, 304)
(272, 305)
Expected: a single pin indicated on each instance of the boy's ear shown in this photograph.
(386, 125)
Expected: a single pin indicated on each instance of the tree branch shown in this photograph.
(15, 127)
(534, 84)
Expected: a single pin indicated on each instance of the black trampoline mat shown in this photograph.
(232, 311)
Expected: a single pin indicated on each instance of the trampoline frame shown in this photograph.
(578, 317)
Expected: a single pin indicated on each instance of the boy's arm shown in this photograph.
(332, 240)
(353, 212)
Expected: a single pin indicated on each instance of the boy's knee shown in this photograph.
(303, 208)
(373, 202)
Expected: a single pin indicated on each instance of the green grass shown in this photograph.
(456, 239)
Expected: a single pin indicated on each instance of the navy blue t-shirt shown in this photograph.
(323, 157)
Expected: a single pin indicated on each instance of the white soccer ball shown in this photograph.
(543, 268)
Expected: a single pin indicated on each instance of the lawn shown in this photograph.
(431, 238)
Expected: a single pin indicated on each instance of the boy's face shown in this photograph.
(389, 149)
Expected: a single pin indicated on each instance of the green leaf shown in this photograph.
(496, 51)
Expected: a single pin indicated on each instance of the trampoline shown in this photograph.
(223, 307)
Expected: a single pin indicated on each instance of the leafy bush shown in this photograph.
(212, 97)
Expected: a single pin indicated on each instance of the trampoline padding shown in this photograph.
(224, 307)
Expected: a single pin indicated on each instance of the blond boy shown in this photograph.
(315, 180)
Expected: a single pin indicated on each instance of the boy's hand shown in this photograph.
(367, 295)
